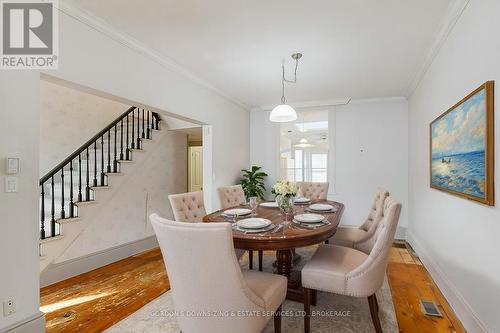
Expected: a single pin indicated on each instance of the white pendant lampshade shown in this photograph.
(283, 113)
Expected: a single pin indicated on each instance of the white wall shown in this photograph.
(92, 59)
(19, 133)
(379, 127)
(68, 118)
(458, 237)
(380, 130)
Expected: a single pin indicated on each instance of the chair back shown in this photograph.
(375, 214)
(313, 190)
(367, 278)
(230, 196)
(205, 276)
(188, 207)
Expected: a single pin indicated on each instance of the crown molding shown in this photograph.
(71, 9)
(453, 14)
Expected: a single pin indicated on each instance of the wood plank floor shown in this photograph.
(96, 300)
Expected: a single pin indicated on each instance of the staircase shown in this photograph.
(71, 186)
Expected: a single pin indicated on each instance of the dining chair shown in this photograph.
(205, 278)
(190, 207)
(346, 271)
(312, 190)
(362, 237)
(230, 196)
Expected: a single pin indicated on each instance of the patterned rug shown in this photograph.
(335, 313)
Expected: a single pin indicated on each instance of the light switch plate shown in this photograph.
(11, 185)
(12, 165)
(9, 307)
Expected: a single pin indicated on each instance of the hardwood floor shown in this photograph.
(96, 300)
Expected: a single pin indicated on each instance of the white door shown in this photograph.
(195, 168)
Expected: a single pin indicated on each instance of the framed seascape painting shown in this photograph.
(462, 147)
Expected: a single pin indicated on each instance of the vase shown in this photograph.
(285, 203)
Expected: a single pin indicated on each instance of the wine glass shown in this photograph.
(253, 204)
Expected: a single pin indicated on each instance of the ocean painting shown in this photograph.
(459, 146)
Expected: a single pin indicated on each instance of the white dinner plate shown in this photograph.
(253, 223)
(321, 207)
(309, 218)
(302, 200)
(238, 211)
(271, 204)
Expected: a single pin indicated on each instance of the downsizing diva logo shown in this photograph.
(29, 34)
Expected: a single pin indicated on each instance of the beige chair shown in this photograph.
(230, 196)
(188, 207)
(311, 190)
(205, 277)
(346, 271)
(362, 237)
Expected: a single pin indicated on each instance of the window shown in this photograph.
(304, 147)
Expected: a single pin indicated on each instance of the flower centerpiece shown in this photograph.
(285, 193)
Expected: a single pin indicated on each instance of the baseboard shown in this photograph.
(462, 309)
(66, 269)
(32, 324)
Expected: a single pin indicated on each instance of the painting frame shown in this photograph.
(489, 147)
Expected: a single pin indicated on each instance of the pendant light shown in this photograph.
(303, 143)
(283, 112)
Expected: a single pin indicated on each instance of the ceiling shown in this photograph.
(352, 48)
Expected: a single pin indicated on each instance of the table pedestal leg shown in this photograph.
(284, 266)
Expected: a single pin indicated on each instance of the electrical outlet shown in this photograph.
(9, 307)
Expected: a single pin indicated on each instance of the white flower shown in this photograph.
(285, 187)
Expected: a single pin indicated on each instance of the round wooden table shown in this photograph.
(284, 240)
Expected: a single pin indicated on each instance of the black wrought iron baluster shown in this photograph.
(115, 162)
(127, 152)
(143, 134)
(71, 202)
(95, 163)
(152, 122)
(138, 129)
(87, 188)
(63, 213)
(102, 160)
(80, 197)
(121, 139)
(132, 145)
(157, 122)
(148, 130)
(109, 152)
(52, 210)
(42, 214)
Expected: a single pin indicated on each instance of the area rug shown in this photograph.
(335, 313)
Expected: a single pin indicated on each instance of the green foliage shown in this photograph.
(253, 182)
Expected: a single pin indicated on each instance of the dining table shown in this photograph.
(284, 237)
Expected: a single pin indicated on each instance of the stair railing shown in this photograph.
(132, 127)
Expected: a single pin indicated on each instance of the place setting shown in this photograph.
(321, 208)
(254, 225)
(309, 221)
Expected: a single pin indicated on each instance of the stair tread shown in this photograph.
(68, 220)
(51, 239)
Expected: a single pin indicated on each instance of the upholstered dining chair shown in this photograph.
(312, 190)
(362, 237)
(346, 271)
(230, 196)
(205, 277)
(188, 207)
